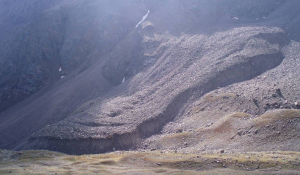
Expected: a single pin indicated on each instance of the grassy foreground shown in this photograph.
(154, 162)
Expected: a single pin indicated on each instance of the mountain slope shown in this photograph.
(183, 74)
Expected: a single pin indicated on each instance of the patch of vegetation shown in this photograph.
(155, 162)
(177, 135)
(212, 98)
(276, 115)
(227, 123)
(240, 115)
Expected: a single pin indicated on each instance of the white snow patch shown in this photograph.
(123, 80)
(62, 77)
(144, 17)
(59, 69)
(236, 18)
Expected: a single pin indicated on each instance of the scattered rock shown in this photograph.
(278, 92)
(179, 130)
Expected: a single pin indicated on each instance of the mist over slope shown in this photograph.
(194, 75)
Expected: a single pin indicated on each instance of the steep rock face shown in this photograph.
(125, 84)
(51, 35)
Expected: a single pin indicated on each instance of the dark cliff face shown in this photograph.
(78, 74)
(40, 37)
